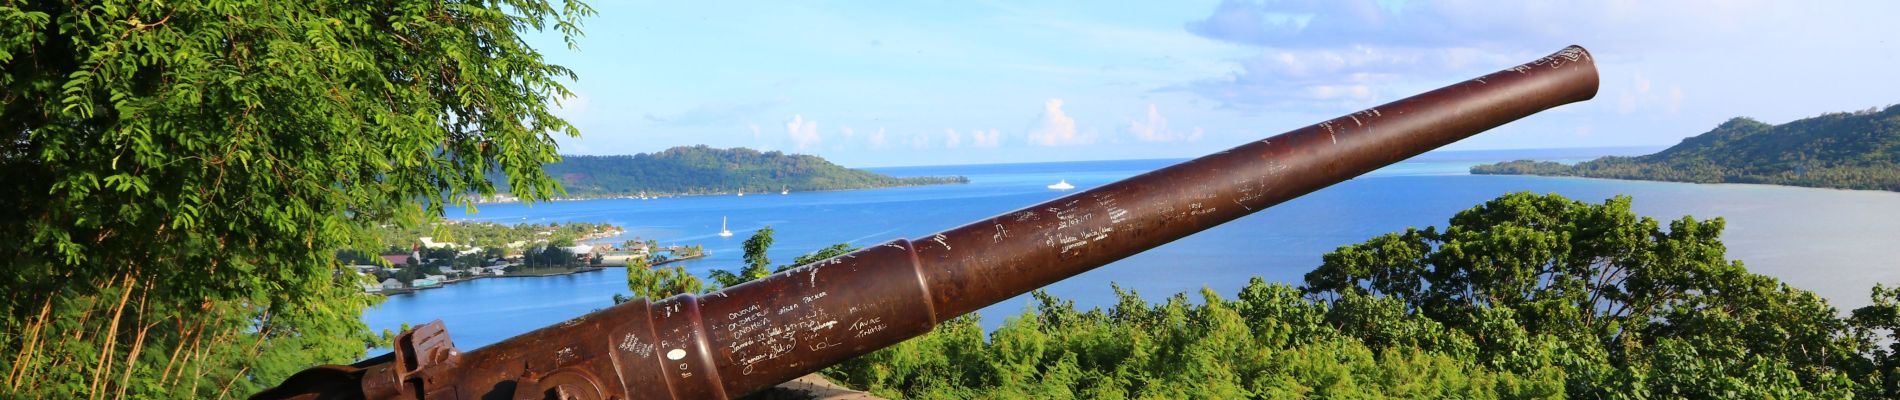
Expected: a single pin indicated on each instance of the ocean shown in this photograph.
(1837, 243)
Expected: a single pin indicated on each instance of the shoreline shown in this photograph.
(413, 290)
(673, 195)
(581, 270)
(1762, 185)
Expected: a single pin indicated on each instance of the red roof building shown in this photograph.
(397, 260)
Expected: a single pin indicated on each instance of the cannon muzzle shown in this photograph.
(748, 337)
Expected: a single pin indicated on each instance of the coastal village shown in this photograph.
(530, 250)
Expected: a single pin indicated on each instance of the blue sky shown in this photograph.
(932, 83)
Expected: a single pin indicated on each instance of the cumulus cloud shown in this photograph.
(1056, 128)
(920, 140)
(977, 137)
(989, 138)
(804, 133)
(1154, 128)
(1642, 94)
(877, 139)
(1346, 77)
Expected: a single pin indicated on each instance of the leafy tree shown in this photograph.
(182, 174)
(1523, 297)
(655, 284)
(1869, 322)
(755, 248)
(1218, 348)
(1636, 308)
(820, 255)
(757, 265)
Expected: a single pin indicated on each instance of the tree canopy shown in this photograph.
(182, 174)
(1525, 296)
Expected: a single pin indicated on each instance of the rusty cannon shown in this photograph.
(752, 336)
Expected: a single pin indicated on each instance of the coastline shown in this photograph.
(624, 196)
(581, 270)
(1739, 184)
(413, 290)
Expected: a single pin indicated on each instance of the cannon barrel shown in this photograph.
(748, 337)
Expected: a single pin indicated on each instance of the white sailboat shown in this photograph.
(784, 190)
(1062, 185)
(723, 232)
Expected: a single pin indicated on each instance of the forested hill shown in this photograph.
(702, 170)
(1858, 150)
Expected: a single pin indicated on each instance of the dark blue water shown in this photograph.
(1838, 243)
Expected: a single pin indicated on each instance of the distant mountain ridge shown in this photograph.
(1854, 150)
(706, 170)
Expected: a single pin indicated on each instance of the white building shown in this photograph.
(430, 242)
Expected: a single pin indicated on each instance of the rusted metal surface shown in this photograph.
(752, 336)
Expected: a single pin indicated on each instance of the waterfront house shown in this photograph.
(425, 282)
(369, 287)
(391, 284)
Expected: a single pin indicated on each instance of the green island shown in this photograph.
(1856, 150)
(693, 170)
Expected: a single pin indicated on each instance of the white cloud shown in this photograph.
(1341, 53)
(989, 138)
(1342, 77)
(1674, 102)
(1641, 95)
(1490, 25)
(978, 138)
(877, 139)
(920, 140)
(1056, 128)
(804, 133)
(1155, 128)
